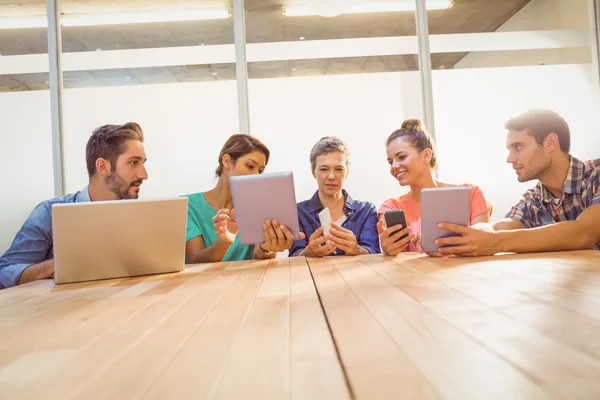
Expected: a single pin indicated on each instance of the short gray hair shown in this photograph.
(326, 145)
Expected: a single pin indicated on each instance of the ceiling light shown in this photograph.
(34, 21)
(118, 18)
(214, 73)
(301, 38)
(139, 17)
(98, 49)
(128, 77)
(293, 69)
(333, 9)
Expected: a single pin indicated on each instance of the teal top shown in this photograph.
(199, 223)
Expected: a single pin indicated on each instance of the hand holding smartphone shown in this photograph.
(396, 217)
(325, 219)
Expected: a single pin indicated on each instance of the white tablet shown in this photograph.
(448, 204)
(257, 198)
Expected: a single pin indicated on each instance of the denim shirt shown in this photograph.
(361, 219)
(33, 242)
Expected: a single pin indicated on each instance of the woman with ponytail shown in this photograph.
(412, 160)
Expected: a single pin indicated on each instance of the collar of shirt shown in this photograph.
(572, 182)
(315, 206)
(83, 196)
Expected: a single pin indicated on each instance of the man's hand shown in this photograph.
(388, 237)
(478, 240)
(36, 272)
(317, 246)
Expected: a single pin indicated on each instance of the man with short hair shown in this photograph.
(115, 160)
(562, 212)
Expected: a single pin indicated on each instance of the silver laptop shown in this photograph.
(114, 239)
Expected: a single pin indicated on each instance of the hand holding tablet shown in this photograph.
(443, 205)
(261, 198)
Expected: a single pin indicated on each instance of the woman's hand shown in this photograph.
(345, 240)
(277, 237)
(419, 245)
(391, 244)
(319, 245)
(225, 225)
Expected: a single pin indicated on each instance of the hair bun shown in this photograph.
(413, 124)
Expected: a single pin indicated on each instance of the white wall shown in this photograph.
(471, 107)
(186, 124)
(26, 176)
(538, 15)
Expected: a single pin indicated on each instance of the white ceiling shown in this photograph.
(264, 23)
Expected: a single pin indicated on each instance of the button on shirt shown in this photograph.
(361, 219)
(581, 190)
(33, 243)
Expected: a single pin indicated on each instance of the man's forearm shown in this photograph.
(35, 272)
(565, 235)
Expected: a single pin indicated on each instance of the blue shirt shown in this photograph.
(33, 242)
(361, 219)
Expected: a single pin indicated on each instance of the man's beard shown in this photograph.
(120, 187)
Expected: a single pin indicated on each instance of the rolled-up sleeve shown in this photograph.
(521, 212)
(31, 245)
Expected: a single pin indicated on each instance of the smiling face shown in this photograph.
(407, 164)
(529, 159)
(330, 171)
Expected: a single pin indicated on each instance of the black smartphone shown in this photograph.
(396, 217)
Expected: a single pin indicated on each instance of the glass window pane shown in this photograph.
(25, 132)
(340, 68)
(168, 66)
(497, 60)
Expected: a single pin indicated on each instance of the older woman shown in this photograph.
(354, 227)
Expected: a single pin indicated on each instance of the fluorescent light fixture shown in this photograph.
(140, 17)
(33, 21)
(333, 9)
(117, 18)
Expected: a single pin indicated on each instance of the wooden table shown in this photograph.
(368, 327)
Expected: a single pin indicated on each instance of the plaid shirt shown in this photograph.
(582, 189)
